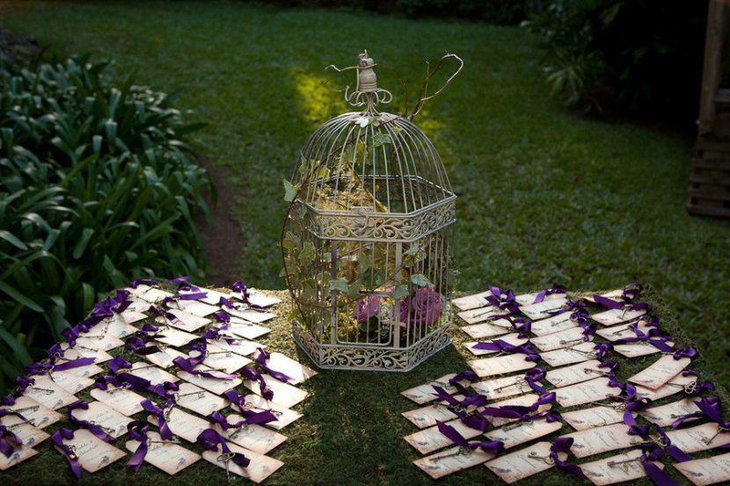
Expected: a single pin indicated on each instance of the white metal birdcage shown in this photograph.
(366, 240)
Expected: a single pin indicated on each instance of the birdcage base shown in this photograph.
(369, 358)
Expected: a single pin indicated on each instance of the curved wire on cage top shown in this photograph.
(371, 161)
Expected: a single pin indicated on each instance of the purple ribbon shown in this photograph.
(9, 441)
(503, 346)
(71, 457)
(262, 358)
(143, 281)
(710, 408)
(188, 364)
(245, 295)
(563, 444)
(95, 429)
(491, 447)
(251, 374)
(631, 291)
(556, 289)
(138, 430)
(523, 412)
(161, 414)
(251, 418)
(209, 439)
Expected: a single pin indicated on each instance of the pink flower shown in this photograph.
(423, 308)
(366, 308)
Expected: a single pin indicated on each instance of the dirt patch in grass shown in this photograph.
(222, 236)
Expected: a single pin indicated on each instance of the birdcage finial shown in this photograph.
(366, 92)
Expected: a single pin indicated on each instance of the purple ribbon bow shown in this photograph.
(161, 414)
(73, 460)
(556, 289)
(9, 441)
(503, 346)
(251, 418)
(138, 430)
(491, 447)
(563, 444)
(209, 439)
(262, 358)
(95, 429)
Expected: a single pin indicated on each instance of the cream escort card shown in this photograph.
(46, 392)
(183, 320)
(588, 418)
(298, 372)
(710, 470)
(151, 373)
(198, 400)
(285, 394)
(239, 346)
(83, 352)
(513, 339)
(660, 372)
(165, 455)
(223, 359)
(699, 438)
(28, 435)
(475, 316)
(114, 423)
(622, 331)
(616, 469)
(553, 324)
(195, 307)
(500, 365)
(260, 467)
(122, 400)
(585, 392)
(213, 385)
(256, 297)
(36, 414)
(665, 415)
(16, 457)
(636, 350)
(672, 387)
(165, 357)
(520, 432)
(451, 460)
(496, 388)
(602, 439)
(251, 315)
(565, 356)
(93, 453)
(183, 424)
(427, 416)
(253, 437)
(562, 339)
(523, 463)
(424, 393)
(174, 337)
(431, 439)
(545, 308)
(284, 416)
(120, 325)
(485, 330)
(246, 330)
(617, 316)
(529, 299)
(70, 382)
(572, 374)
(472, 301)
(107, 342)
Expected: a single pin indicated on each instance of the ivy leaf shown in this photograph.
(353, 289)
(290, 190)
(340, 284)
(380, 139)
(400, 291)
(420, 279)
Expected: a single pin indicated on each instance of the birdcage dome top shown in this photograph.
(373, 162)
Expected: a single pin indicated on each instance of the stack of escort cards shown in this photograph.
(162, 374)
(545, 389)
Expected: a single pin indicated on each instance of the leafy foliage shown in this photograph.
(96, 187)
(628, 54)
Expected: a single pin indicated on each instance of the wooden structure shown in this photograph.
(709, 180)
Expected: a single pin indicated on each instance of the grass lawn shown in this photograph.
(546, 196)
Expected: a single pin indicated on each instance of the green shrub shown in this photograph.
(631, 55)
(96, 187)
